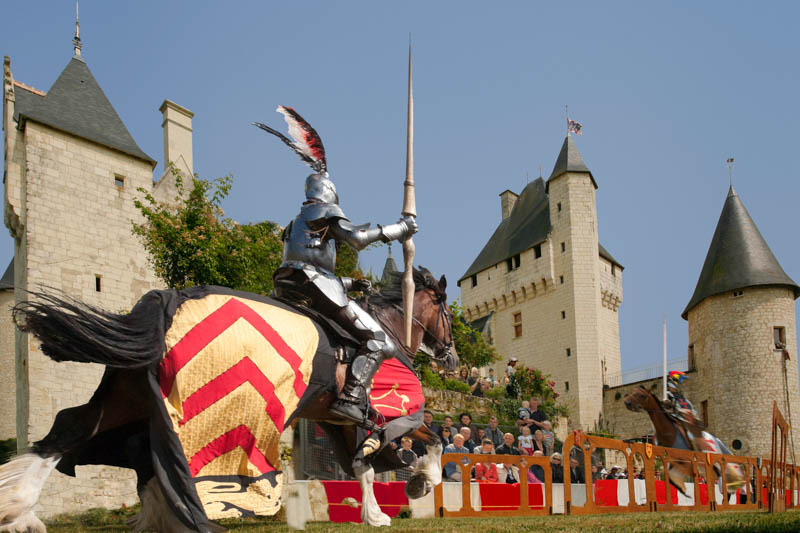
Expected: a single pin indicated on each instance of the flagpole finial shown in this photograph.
(729, 162)
(76, 41)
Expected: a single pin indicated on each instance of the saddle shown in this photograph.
(345, 344)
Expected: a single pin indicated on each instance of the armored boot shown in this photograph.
(353, 402)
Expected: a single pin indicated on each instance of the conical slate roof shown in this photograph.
(388, 268)
(76, 104)
(569, 160)
(738, 257)
(528, 224)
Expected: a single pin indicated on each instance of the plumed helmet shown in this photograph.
(677, 377)
(321, 189)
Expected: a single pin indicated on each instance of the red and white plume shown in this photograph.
(305, 141)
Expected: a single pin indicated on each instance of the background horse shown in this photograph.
(200, 383)
(670, 435)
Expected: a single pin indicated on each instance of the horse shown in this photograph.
(669, 434)
(198, 386)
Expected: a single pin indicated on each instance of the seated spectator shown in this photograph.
(447, 436)
(452, 471)
(495, 433)
(576, 474)
(537, 415)
(447, 423)
(525, 441)
(480, 434)
(464, 419)
(557, 468)
(468, 442)
(463, 375)
(406, 454)
(418, 446)
(508, 448)
(549, 436)
(474, 382)
(538, 442)
(486, 471)
(536, 472)
(491, 379)
(524, 415)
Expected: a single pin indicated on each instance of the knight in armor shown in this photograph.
(309, 257)
(681, 406)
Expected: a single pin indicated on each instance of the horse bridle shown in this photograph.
(442, 350)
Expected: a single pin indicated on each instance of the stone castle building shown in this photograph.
(546, 291)
(742, 352)
(72, 171)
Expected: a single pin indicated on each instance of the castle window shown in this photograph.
(736, 294)
(119, 181)
(613, 270)
(559, 207)
(517, 324)
(563, 315)
(569, 352)
(563, 247)
(537, 251)
(779, 336)
(566, 386)
(704, 406)
(561, 279)
(691, 357)
(97, 284)
(512, 263)
(474, 280)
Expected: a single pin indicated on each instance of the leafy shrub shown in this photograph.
(430, 379)
(455, 385)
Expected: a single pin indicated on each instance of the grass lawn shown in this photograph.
(719, 522)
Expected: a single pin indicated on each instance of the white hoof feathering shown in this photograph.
(21, 482)
(371, 513)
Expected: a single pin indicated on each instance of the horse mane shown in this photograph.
(392, 293)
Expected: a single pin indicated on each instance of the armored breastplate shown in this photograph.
(307, 239)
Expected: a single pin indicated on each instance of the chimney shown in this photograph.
(177, 124)
(507, 201)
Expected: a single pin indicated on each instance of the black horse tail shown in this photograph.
(70, 330)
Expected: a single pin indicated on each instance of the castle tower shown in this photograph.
(72, 171)
(549, 292)
(742, 339)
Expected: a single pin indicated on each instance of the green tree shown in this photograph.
(532, 382)
(190, 241)
(472, 348)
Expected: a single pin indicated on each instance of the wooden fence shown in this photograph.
(769, 484)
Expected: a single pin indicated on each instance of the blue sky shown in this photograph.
(665, 91)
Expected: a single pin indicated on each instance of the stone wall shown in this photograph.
(452, 403)
(76, 237)
(8, 397)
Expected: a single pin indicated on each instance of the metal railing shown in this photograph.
(646, 372)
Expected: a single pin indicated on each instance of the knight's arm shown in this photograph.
(360, 236)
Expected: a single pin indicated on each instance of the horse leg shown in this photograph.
(428, 472)
(21, 482)
(68, 443)
(371, 513)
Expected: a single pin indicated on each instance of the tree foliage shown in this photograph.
(531, 382)
(472, 348)
(190, 241)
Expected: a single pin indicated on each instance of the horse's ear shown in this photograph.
(443, 283)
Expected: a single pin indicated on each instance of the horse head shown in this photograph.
(433, 315)
(638, 399)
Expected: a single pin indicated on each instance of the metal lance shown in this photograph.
(409, 209)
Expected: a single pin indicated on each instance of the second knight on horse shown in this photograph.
(309, 257)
